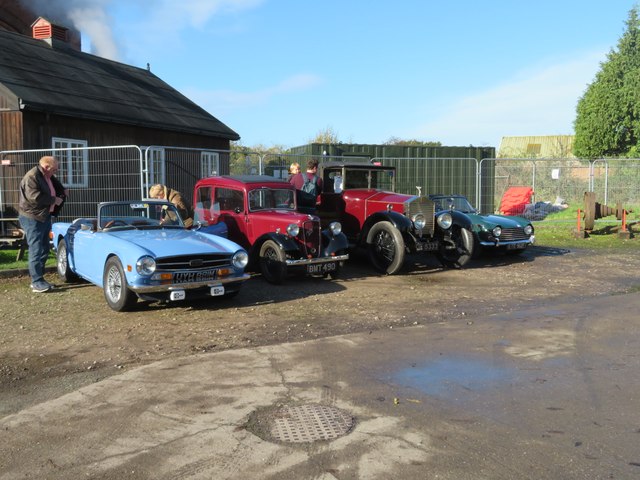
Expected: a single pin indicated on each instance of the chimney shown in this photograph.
(54, 35)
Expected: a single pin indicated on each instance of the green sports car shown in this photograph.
(491, 233)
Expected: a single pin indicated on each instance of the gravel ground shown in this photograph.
(56, 342)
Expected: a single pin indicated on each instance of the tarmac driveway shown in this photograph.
(544, 393)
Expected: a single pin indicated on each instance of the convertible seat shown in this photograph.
(514, 200)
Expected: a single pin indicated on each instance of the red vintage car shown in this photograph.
(260, 214)
(361, 196)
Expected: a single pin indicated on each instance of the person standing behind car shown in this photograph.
(308, 187)
(163, 192)
(294, 169)
(41, 193)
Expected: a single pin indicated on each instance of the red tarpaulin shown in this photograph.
(514, 200)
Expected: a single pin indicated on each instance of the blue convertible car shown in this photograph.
(141, 249)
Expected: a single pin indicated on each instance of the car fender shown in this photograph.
(105, 247)
(333, 243)
(283, 241)
(460, 219)
(402, 223)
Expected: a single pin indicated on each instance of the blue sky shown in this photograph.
(280, 71)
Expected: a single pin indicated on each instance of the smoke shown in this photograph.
(88, 16)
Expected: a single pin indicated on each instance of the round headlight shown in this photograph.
(497, 231)
(445, 221)
(293, 230)
(240, 259)
(419, 221)
(146, 265)
(336, 228)
(528, 230)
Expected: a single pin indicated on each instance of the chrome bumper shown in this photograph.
(311, 261)
(168, 287)
(487, 243)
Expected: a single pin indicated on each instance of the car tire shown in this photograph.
(461, 254)
(116, 290)
(385, 247)
(62, 264)
(272, 262)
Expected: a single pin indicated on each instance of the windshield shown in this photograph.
(453, 203)
(378, 178)
(270, 198)
(144, 214)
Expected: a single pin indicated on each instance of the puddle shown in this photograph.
(446, 377)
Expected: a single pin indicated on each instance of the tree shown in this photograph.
(328, 136)
(608, 114)
(411, 143)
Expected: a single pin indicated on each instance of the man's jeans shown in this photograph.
(37, 234)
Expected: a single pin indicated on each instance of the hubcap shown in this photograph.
(114, 284)
(384, 246)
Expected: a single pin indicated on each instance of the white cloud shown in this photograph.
(538, 101)
(224, 101)
(175, 16)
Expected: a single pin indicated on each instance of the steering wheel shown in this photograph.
(114, 223)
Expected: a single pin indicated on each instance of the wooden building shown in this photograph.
(540, 146)
(54, 96)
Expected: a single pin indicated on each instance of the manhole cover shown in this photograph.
(301, 423)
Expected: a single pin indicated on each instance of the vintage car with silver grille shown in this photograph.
(491, 232)
(141, 249)
(260, 214)
(361, 196)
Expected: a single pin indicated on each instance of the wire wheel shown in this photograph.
(386, 249)
(116, 291)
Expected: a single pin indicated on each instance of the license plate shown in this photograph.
(189, 277)
(322, 267)
(217, 291)
(516, 246)
(178, 295)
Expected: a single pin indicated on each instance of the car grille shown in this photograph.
(194, 262)
(426, 207)
(513, 234)
(310, 235)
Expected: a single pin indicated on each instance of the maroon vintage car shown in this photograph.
(260, 214)
(388, 225)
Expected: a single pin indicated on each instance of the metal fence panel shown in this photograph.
(181, 167)
(617, 180)
(277, 164)
(92, 174)
(553, 180)
(434, 175)
(96, 174)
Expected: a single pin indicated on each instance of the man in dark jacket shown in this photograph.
(40, 193)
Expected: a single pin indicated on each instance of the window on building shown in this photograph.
(73, 161)
(156, 165)
(534, 148)
(209, 164)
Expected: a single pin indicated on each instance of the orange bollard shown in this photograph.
(624, 220)
(579, 215)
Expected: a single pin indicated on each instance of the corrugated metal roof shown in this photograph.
(67, 82)
(541, 146)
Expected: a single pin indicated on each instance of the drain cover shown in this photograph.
(309, 423)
